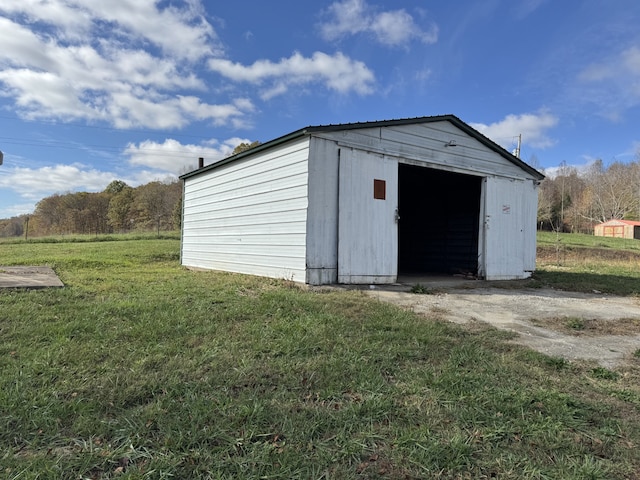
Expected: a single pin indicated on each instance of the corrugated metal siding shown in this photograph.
(529, 223)
(250, 216)
(322, 214)
(508, 242)
(425, 145)
(275, 212)
(367, 228)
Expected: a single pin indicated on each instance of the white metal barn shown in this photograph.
(365, 203)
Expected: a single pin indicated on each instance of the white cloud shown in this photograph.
(526, 7)
(532, 126)
(16, 210)
(66, 15)
(175, 157)
(46, 95)
(109, 61)
(626, 62)
(392, 28)
(338, 72)
(631, 60)
(36, 183)
(181, 31)
(43, 95)
(21, 47)
(613, 85)
(580, 168)
(134, 64)
(147, 161)
(422, 76)
(33, 184)
(83, 67)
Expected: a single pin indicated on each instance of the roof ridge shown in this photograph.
(454, 120)
(629, 222)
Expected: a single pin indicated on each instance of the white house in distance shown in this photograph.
(365, 203)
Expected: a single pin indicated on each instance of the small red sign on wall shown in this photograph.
(379, 189)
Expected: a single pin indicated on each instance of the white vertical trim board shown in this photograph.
(322, 213)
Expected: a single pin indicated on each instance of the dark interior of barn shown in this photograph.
(439, 221)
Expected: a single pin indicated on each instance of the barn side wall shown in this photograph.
(249, 216)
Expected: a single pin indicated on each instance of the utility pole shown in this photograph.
(563, 171)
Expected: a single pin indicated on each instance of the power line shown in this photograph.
(57, 144)
(109, 148)
(96, 127)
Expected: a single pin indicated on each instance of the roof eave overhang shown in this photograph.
(495, 147)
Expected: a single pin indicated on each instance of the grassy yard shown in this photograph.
(141, 369)
(587, 263)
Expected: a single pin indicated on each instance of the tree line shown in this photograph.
(576, 200)
(572, 200)
(119, 208)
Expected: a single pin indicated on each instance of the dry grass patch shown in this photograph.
(439, 313)
(593, 327)
(550, 254)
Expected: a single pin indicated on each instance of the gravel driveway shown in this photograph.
(518, 310)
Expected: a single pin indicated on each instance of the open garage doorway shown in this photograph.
(439, 221)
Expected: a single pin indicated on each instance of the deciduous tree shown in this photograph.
(243, 147)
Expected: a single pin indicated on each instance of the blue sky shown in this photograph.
(137, 90)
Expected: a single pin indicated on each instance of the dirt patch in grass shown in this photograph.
(590, 326)
(569, 325)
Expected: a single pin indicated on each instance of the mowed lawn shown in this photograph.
(140, 369)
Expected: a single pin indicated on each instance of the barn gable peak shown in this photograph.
(314, 130)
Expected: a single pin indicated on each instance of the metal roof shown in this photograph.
(472, 132)
(618, 221)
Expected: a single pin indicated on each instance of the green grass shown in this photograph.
(586, 263)
(75, 238)
(584, 240)
(141, 369)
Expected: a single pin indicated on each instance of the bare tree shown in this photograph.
(576, 201)
(613, 192)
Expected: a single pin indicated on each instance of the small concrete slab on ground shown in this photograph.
(28, 277)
